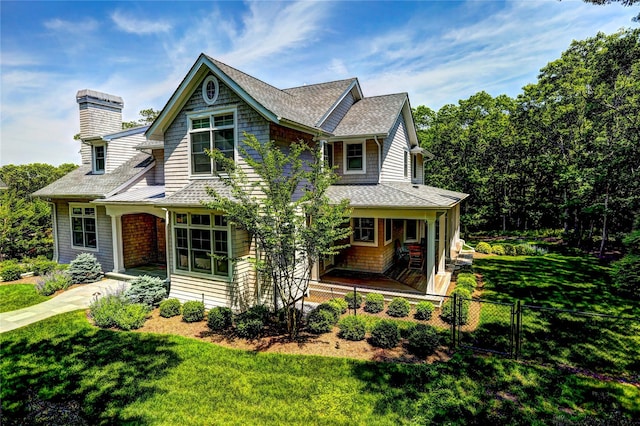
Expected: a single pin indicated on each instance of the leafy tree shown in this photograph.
(147, 116)
(286, 211)
(622, 2)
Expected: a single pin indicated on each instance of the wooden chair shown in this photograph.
(416, 257)
(402, 253)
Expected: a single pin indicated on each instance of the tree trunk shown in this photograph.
(604, 223)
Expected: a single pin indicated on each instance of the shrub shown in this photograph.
(52, 282)
(462, 292)
(352, 327)
(260, 312)
(147, 290)
(509, 249)
(353, 299)
(321, 320)
(341, 304)
(423, 340)
(41, 265)
(424, 310)
(385, 334)
(333, 308)
(249, 328)
(374, 303)
(399, 307)
(282, 316)
(626, 276)
(170, 308)
(466, 282)
(105, 309)
(10, 270)
(446, 311)
(131, 316)
(84, 269)
(497, 249)
(483, 247)
(192, 311)
(220, 318)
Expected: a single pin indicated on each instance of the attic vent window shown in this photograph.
(210, 90)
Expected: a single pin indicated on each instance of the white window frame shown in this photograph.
(388, 226)
(83, 216)
(211, 114)
(417, 236)
(373, 243)
(94, 158)
(212, 228)
(345, 149)
(205, 95)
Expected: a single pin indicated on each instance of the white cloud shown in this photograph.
(72, 27)
(135, 25)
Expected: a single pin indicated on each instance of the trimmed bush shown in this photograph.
(509, 249)
(42, 266)
(373, 303)
(170, 308)
(147, 290)
(497, 249)
(192, 311)
(52, 282)
(220, 318)
(446, 312)
(353, 299)
(462, 292)
(282, 316)
(399, 307)
(321, 320)
(385, 334)
(10, 270)
(352, 328)
(483, 247)
(105, 309)
(260, 312)
(249, 328)
(466, 282)
(84, 269)
(330, 308)
(341, 304)
(521, 250)
(424, 310)
(423, 340)
(131, 316)
(467, 276)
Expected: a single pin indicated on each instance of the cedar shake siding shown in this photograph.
(176, 138)
(371, 259)
(372, 156)
(66, 252)
(143, 240)
(393, 154)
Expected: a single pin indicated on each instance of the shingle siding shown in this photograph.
(338, 113)
(372, 160)
(120, 150)
(393, 154)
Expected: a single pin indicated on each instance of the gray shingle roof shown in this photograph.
(318, 99)
(194, 193)
(145, 195)
(395, 194)
(371, 116)
(82, 183)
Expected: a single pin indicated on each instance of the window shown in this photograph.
(411, 230)
(364, 229)
(406, 164)
(328, 155)
(354, 158)
(414, 165)
(202, 243)
(84, 232)
(388, 231)
(210, 90)
(216, 131)
(99, 158)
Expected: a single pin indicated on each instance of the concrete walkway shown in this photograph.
(77, 298)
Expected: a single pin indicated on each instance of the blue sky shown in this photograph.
(437, 51)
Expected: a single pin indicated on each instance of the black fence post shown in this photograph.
(518, 329)
(454, 320)
(355, 305)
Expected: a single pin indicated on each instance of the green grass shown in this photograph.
(17, 296)
(109, 377)
(575, 283)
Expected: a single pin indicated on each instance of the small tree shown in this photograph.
(286, 211)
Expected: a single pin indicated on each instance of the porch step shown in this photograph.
(321, 292)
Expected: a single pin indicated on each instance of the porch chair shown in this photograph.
(416, 258)
(402, 253)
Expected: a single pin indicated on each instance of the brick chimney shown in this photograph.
(100, 114)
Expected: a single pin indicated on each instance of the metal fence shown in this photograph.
(569, 338)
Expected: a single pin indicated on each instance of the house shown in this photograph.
(136, 199)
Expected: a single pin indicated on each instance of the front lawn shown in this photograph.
(83, 374)
(18, 296)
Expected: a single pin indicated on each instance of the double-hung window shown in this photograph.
(99, 154)
(355, 157)
(202, 243)
(84, 230)
(214, 131)
(411, 230)
(364, 229)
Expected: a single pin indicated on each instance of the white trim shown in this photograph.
(211, 113)
(54, 223)
(346, 171)
(205, 95)
(387, 242)
(83, 206)
(94, 168)
(374, 243)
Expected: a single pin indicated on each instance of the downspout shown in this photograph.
(167, 244)
(375, 138)
(54, 225)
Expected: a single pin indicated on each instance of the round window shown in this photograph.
(210, 90)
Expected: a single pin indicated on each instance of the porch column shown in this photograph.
(431, 255)
(116, 235)
(451, 237)
(442, 221)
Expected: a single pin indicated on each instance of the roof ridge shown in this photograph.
(319, 84)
